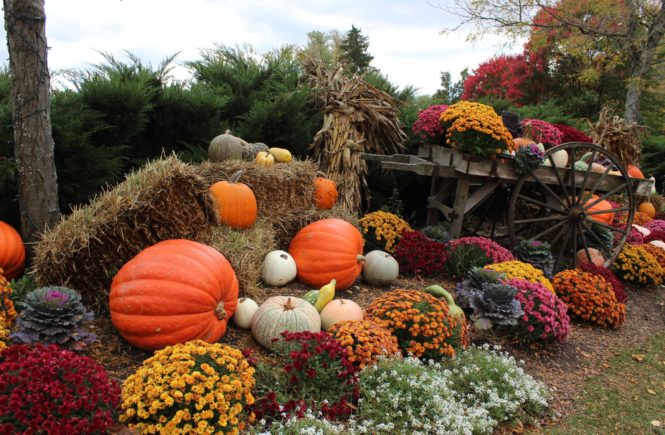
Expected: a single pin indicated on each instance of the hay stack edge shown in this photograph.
(169, 199)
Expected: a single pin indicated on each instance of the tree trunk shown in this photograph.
(642, 61)
(25, 23)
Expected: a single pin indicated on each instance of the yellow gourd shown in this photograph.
(281, 155)
(264, 159)
(326, 294)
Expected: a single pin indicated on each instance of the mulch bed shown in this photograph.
(564, 367)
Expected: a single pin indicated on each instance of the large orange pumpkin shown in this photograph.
(325, 192)
(328, 249)
(12, 251)
(634, 171)
(235, 201)
(173, 292)
(603, 205)
(648, 209)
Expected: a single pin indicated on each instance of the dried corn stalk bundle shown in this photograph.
(357, 118)
(618, 137)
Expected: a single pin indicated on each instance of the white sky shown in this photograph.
(403, 35)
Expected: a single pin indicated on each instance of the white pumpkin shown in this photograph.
(658, 243)
(279, 268)
(283, 313)
(338, 310)
(380, 268)
(560, 159)
(642, 230)
(245, 312)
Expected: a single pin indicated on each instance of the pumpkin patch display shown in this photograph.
(279, 268)
(328, 249)
(283, 313)
(173, 292)
(12, 251)
(380, 268)
(225, 147)
(236, 203)
(325, 192)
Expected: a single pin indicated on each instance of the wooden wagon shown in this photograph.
(561, 205)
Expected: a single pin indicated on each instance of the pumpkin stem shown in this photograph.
(219, 311)
(320, 174)
(236, 176)
(288, 305)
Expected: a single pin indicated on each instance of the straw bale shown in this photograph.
(245, 250)
(279, 189)
(165, 199)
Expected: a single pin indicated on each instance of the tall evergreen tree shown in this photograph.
(355, 57)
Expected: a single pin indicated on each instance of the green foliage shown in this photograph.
(355, 57)
(450, 93)
(20, 289)
(464, 258)
(653, 158)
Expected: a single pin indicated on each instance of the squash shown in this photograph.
(283, 313)
(279, 268)
(560, 159)
(172, 292)
(581, 165)
(440, 292)
(598, 168)
(326, 294)
(596, 257)
(235, 202)
(338, 310)
(12, 251)
(634, 171)
(264, 159)
(281, 155)
(325, 192)
(380, 268)
(648, 209)
(225, 147)
(311, 296)
(328, 249)
(250, 150)
(245, 312)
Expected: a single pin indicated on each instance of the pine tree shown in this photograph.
(354, 47)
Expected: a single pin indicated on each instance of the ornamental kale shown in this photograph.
(473, 284)
(495, 304)
(528, 158)
(536, 253)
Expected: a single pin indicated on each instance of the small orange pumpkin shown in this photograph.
(328, 249)
(634, 171)
(603, 205)
(325, 192)
(172, 292)
(12, 251)
(235, 201)
(596, 257)
(522, 141)
(648, 209)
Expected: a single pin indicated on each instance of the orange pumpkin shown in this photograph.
(328, 249)
(235, 201)
(522, 141)
(634, 171)
(173, 292)
(12, 251)
(603, 205)
(648, 209)
(325, 192)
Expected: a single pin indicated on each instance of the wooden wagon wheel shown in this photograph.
(564, 206)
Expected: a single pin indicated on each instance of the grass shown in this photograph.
(624, 399)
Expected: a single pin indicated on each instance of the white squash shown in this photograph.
(338, 310)
(380, 268)
(245, 312)
(560, 159)
(279, 268)
(283, 313)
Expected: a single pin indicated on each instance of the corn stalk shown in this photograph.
(618, 137)
(357, 118)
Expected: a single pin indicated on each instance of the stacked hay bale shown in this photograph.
(169, 199)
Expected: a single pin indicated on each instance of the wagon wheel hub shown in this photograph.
(577, 214)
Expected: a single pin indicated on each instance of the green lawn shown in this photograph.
(626, 398)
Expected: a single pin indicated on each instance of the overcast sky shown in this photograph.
(404, 35)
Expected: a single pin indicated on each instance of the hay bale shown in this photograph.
(245, 250)
(279, 189)
(165, 199)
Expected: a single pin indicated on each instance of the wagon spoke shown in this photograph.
(549, 230)
(561, 250)
(594, 236)
(584, 243)
(586, 176)
(605, 196)
(540, 203)
(541, 219)
(561, 183)
(550, 191)
(598, 181)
